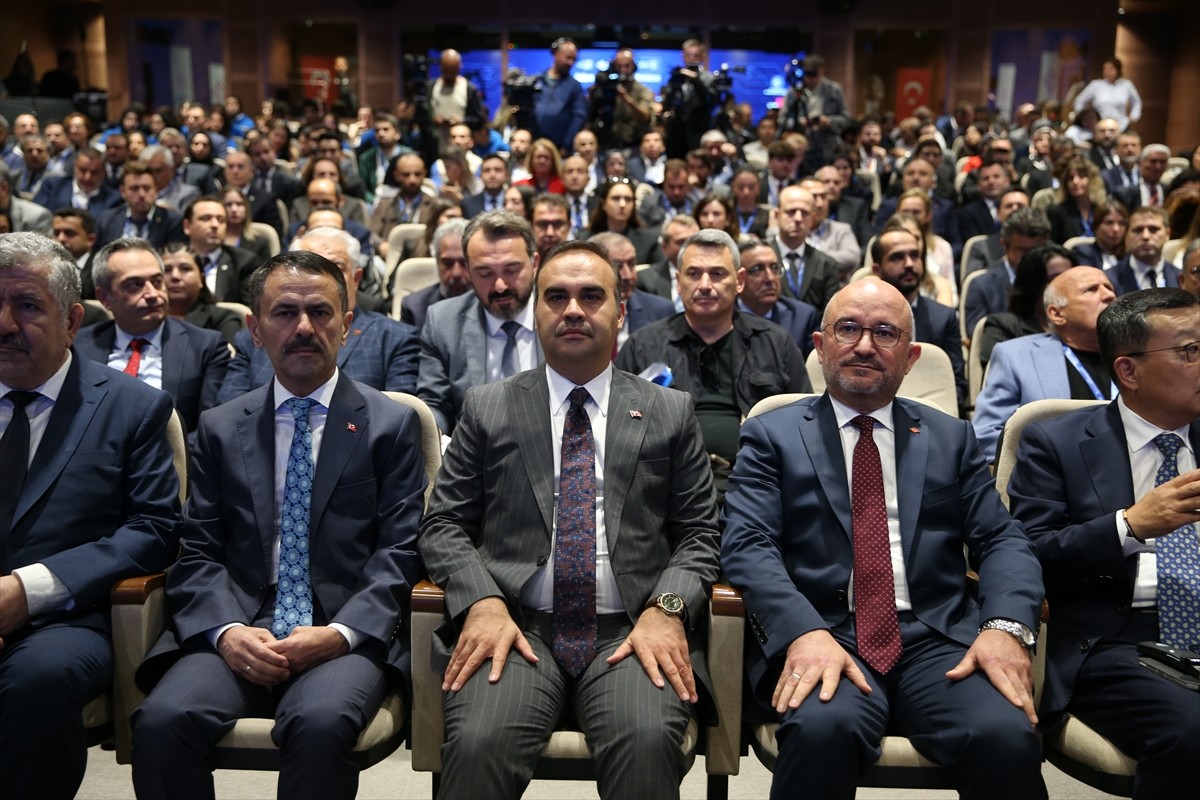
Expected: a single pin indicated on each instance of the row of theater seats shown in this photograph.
(139, 617)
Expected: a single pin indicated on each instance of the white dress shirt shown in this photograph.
(1144, 461)
(538, 591)
(885, 441)
(150, 368)
(497, 338)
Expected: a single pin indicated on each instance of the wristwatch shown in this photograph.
(671, 604)
(1022, 632)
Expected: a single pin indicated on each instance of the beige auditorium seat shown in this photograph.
(931, 379)
(412, 274)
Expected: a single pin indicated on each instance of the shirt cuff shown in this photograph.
(353, 638)
(214, 634)
(44, 592)
(1129, 545)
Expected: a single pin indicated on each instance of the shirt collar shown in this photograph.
(322, 395)
(524, 319)
(844, 413)
(53, 385)
(597, 387)
(154, 338)
(1140, 432)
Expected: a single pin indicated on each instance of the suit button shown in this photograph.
(541, 562)
(841, 595)
(1085, 645)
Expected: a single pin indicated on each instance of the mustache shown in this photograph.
(566, 328)
(307, 343)
(857, 361)
(14, 341)
(509, 293)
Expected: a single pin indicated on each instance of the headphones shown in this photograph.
(559, 42)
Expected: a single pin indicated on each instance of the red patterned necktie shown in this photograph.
(135, 360)
(574, 629)
(876, 627)
(1154, 194)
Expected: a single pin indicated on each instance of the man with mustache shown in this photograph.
(486, 334)
(573, 528)
(847, 517)
(725, 359)
(185, 361)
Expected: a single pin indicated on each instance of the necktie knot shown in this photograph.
(510, 329)
(578, 397)
(137, 344)
(1168, 444)
(865, 425)
(20, 398)
(299, 407)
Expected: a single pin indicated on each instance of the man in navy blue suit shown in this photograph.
(298, 553)
(847, 517)
(1025, 229)
(641, 308)
(896, 258)
(1088, 488)
(378, 351)
(185, 361)
(138, 215)
(762, 294)
(89, 496)
(1143, 266)
(86, 189)
(920, 174)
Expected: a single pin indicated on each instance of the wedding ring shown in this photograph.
(795, 675)
(247, 668)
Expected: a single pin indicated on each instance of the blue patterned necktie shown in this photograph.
(1178, 557)
(508, 361)
(575, 634)
(293, 594)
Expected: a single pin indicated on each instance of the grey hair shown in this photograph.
(102, 275)
(711, 237)
(149, 153)
(330, 234)
(1052, 297)
(451, 227)
(27, 249)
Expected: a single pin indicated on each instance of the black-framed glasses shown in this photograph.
(621, 179)
(848, 331)
(757, 269)
(551, 224)
(1189, 351)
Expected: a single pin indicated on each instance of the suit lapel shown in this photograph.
(1112, 478)
(530, 394)
(474, 340)
(912, 460)
(823, 444)
(1051, 367)
(69, 420)
(622, 447)
(358, 326)
(256, 435)
(345, 426)
(174, 347)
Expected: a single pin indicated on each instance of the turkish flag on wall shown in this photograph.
(912, 89)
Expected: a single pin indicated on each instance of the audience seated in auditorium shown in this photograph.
(1026, 314)
(1143, 266)
(761, 294)
(1024, 229)
(808, 274)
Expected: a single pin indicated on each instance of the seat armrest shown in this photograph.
(428, 603)
(138, 619)
(727, 623)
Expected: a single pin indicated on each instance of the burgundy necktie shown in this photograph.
(135, 360)
(574, 629)
(1154, 194)
(876, 627)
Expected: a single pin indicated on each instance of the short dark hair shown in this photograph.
(296, 261)
(102, 275)
(577, 245)
(188, 210)
(1123, 327)
(1031, 222)
(500, 224)
(86, 220)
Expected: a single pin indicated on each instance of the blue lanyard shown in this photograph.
(1083, 373)
(746, 221)
(1087, 224)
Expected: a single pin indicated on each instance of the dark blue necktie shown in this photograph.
(293, 595)
(1178, 557)
(508, 360)
(14, 455)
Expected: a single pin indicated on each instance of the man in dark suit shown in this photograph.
(186, 362)
(239, 173)
(1103, 152)
(487, 334)
(86, 190)
(641, 308)
(843, 207)
(377, 350)
(89, 496)
(659, 277)
(920, 174)
(494, 176)
(991, 249)
(896, 259)
(846, 521)
(981, 216)
(1110, 518)
(1024, 230)
(762, 277)
(1125, 173)
(227, 269)
(1148, 190)
(269, 178)
(138, 215)
(453, 278)
(299, 549)
(809, 274)
(1143, 266)
(642, 549)
(674, 197)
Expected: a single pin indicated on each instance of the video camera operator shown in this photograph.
(816, 107)
(621, 108)
(414, 124)
(688, 100)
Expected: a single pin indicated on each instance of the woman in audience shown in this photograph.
(282, 142)
(1026, 314)
(615, 164)
(616, 211)
(544, 167)
(188, 298)
(200, 169)
(1112, 96)
(715, 211)
(440, 210)
(519, 200)
(137, 143)
(939, 258)
(454, 180)
(1109, 247)
(238, 230)
(1080, 194)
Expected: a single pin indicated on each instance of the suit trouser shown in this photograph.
(46, 678)
(987, 743)
(319, 715)
(1148, 717)
(494, 732)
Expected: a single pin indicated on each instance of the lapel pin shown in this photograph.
(914, 430)
(350, 426)
(635, 414)
(358, 331)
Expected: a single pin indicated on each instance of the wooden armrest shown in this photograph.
(428, 598)
(134, 591)
(726, 601)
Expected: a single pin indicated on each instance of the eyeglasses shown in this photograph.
(621, 179)
(849, 332)
(551, 224)
(757, 269)
(1189, 351)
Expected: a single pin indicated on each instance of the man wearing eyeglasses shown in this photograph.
(846, 520)
(1189, 276)
(725, 359)
(551, 221)
(762, 278)
(1111, 497)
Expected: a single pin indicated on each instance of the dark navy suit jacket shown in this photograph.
(1124, 280)
(165, 226)
(57, 192)
(642, 308)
